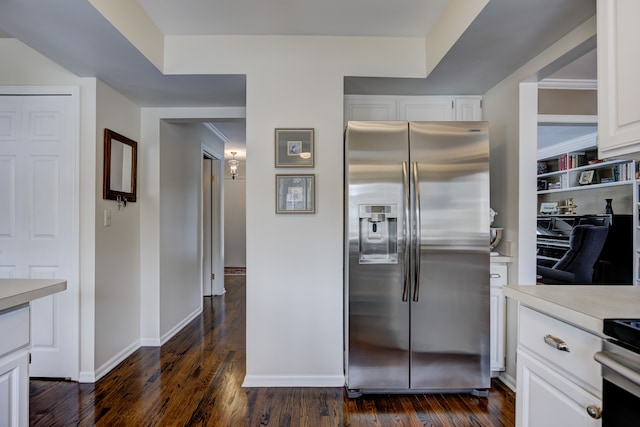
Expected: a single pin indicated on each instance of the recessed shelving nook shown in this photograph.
(571, 169)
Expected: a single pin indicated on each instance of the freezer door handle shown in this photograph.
(405, 231)
(416, 234)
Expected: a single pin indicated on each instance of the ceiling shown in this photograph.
(505, 35)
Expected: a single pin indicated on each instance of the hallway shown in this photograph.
(196, 378)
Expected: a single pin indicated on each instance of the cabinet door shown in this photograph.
(14, 389)
(370, 108)
(468, 109)
(426, 108)
(545, 398)
(497, 316)
(618, 83)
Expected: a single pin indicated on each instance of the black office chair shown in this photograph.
(576, 265)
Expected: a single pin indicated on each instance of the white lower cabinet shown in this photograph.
(14, 389)
(14, 367)
(546, 398)
(498, 272)
(556, 387)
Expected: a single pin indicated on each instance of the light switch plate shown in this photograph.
(107, 218)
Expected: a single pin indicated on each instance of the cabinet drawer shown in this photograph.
(14, 325)
(498, 274)
(577, 363)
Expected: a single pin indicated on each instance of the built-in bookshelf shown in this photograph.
(583, 170)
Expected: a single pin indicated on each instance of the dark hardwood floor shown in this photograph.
(195, 379)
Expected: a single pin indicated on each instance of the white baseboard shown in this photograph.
(167, 336)
(293, 381)
(92, 377)
(508, 380)
(157, 342)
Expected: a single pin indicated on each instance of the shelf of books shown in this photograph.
(570, 173)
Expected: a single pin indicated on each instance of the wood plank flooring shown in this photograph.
(195, 380)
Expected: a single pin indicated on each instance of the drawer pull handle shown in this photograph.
(556, 343)
(594, 412)
(495, 276)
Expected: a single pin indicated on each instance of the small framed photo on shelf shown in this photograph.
(542, 185)
(586, 177)
(295, 194)
(294, 148)
(549, 207)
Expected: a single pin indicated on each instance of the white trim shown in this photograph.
(584, 142)
(150, 342)
(217, 132)
(73, 282)
(293, 381)
(111, 363)
(569, 84)
(170, 333)
(508, 380)
(567, 119)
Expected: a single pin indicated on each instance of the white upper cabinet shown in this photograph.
(468, 108)
(427, 108)
(618, 82)
(370, 108)
(412, 108)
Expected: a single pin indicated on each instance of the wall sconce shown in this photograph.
(233, 165)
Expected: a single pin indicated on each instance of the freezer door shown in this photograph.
(376, 295)
(450, 292)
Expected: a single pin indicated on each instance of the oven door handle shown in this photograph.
(616, 366)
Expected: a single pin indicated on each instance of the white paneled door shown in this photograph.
(38, 220)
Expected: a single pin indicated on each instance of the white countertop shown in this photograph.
(584, 306)
(500, 258)
(14, 292)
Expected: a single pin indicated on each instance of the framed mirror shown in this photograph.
(120, 167)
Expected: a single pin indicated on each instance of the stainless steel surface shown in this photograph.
(620, 366)
(437, 337)
(556, 343)
(594, 412)
(450, 323)
(377, 323)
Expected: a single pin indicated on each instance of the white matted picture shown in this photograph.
(548, 207)
(586, 177)
(295, 194)
(294, 148)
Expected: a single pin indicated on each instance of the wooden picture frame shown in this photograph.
(294, 148)
(295, 194)
(120, 168)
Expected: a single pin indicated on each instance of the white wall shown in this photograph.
(117, 289)
(180, 224)
(294, 262)
(513, 162)
(23, 66)
(235, 229)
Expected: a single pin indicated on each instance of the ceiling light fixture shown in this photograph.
(233, 165)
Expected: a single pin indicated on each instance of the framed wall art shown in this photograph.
(294, 148)
(295, 194)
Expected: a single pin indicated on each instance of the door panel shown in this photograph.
(37, 158)
(378, 320)
(450, 319)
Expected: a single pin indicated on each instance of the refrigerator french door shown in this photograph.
(417, 257)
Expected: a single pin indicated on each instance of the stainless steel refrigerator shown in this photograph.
(417, 257)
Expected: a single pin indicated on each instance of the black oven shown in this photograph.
(620, 360)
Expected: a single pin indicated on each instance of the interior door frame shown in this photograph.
(73, 279)
(216, 220)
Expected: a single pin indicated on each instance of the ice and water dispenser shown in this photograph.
(378, 234)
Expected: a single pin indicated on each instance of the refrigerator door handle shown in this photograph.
(416, 235)
(406, 231)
